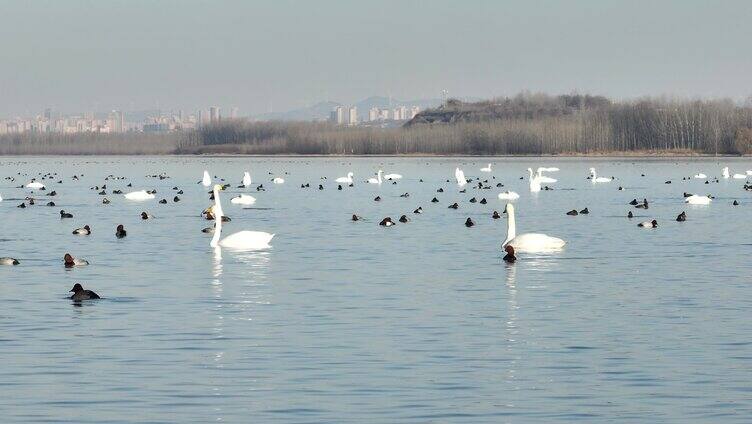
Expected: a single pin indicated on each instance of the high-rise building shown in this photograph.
(233, 113)
(337, 116)
(214, 114)
(201, 117)
(396, 115)
(373, 114)
(352, 116)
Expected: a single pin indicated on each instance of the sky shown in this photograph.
(261, 56)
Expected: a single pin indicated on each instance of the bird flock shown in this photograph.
(538, 181)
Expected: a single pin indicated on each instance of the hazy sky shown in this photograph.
(76, 55)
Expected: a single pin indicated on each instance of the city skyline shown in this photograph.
(81, 55)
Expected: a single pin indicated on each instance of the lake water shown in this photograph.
(346, 321)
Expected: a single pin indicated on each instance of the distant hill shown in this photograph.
(320, 111)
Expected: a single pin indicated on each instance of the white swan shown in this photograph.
(246, 179)
(393, 177)
(542, 178)
(550, 169)
(725, 172)
(139, 195)
(35, 185)
(278, 180)
(509, 195)
(347, 180)
(749, 172)
(740, 176)
(460, 176)
(596, 179)
(486, 169)
(239, 240)
(697, 200)
(1, 198)
(376, 180)
(535, 185)
(206, 181)
(243, 199)
(700, 176)
(530, 242)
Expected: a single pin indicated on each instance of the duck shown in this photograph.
(434, 200)
(376, 180)
(163, 202)
(347, 180)
(698, 200)
(403, 219)
(255, 240)
(630, 214)
(84, 231)
(140, 195)
(530, 242)
(419, 210)
(735, 203)
(80, 294)
(508, 195)
(105, 201)
(64, 214)
(469, 223)
(145, 215)
(495, 215)
(356, 218)
(648, 224)
(681, 217)
(377, 199)
(509, 257)
(386, 222)
(51, 204)
(9, 261)
(70, 261)
(120, 231)
(454, 206)
(243, 199)
(573, 212)
(584, 211)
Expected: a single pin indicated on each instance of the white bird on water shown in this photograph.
(246, 179)
(698, 200)
(486, 169)
(376, 180)
(535, 184)
(347, 180)
(596, 179)
(725, 172)
(241, 239)
(206, 181)
(35, 185)
(460, 176)
(700, 176)
(508, 195)
(278, 180)
(243, 199)
(139, 195)
(529, 242)
(393, 177)
(544, 179)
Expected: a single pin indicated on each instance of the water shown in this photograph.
(352, 322)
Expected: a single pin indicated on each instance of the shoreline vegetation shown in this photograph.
(523, 125)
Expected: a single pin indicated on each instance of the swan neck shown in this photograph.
(218, 213)
(511, 226)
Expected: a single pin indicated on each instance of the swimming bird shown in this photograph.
(84, 231)
(386, 222)
(376, 180)
(530, 242)
(145, 215)
(206, 180)
(347, 180)
(486, 169)
(454, 206)
(740, 176)
(9, 261)
(681, 217)
(535, 183)
(508, 195)
(585, 211)
(241, 239)
(698, 200)
(356, 218)
(573, 212)
(700, 176)
(419, 210)
(243, 199)
(459, 175)
(403, 219)
(70, 261)
(392, 177)
(469, 223)
(120, 231)
(495, 215)
(64, 214)
(735, 203)
(246, 179)
(630, 214)
(725, 172)
(542, 178)
(509, 257)
(80, 294)
(35, 185)
(596, 179)
(648, 224)
(278, 180)
(140, 195)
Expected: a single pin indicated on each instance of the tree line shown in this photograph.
(526, 124)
